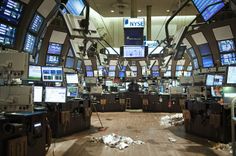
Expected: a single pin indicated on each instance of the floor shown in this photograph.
(139, 126)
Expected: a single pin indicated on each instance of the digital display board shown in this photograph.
(211, 11)
(11, 11)
(29, 43)
(7, 34)
(36, 23)
(207, 62)
(52, 74)
(54, 48)
(226, 46)
(228, 59)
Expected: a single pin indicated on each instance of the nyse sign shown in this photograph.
(134, 23)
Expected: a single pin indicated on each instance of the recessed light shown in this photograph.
(112, 11)
(167, 10)
(139, 10)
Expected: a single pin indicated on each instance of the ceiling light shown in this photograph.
(167, 10)
(139, 10)
(112, 11)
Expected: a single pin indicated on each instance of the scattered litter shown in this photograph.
(172, 140)
(172, 120)
(223, 147)
(116, 141)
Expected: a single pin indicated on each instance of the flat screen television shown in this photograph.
(88, 68)
(226, 46)
(111, 74)
(89, 74)
(36, 23)
(79, 63)
(69, 62)
(75, 7)
(29, 44)
(7, 35)
(207, 61)
(72, 78)
(52, 74)
(228, 59)
(112, 68)
(209, 12)
(191, 53)
(72, 91)
(195, 64)
(35, 73)
(54, 48)
(121, 74)
(214, 80)
(11, 11)
(229, 93)
(231, 75)
(134, 51)
(38, 94)
(217, 92)
(55, 94)
(52, 60)
(155, 73)
(204, 49)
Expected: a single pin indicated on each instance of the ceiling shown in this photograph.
(122, 8)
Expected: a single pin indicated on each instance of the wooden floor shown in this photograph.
(142, 126)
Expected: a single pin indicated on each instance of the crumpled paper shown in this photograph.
(116, 141)
(172, 120)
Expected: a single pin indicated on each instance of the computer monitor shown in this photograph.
(7, 35)
(72, 78)
(231, 75)
(75, 7)
(121, 74)
(38, 94)
(155, 74)
(207, 61)
(55, 94)
(29, 44)
(52, 60)
(79, 63)
(36, 23)
(210, 79)
(89, 74)
(111, 73)
(214, 80)
(69, 62)
(204, 49)
(52, 74)
(134, 51)
(226, 46)
(167, 74)
(228, 59)
(72, 91)
(35, 73)
(112, 68)
(54, 48)
(88, 68)
(216, 92)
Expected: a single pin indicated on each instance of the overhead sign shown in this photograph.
(134, 23)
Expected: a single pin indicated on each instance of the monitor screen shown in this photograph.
(191, 53)
(195, 64)
(155, 74)
(38, 94)
(167, 74)
(112, 68)
(111, 74)
(229, 93)
(214, 80)
(134, 51)
(207, 61)
(228, 59)
(211, 11)
(52, 60)
(52, 74)
(69, 62)
(72, 78)
(88, 68)
(178, 73)
(121, 74)
(35, 73)
(231, 75)
(179, 67)
(187, 73)
(36, 23)
(109, 83)
(210, 80)
(90, 80)
(155, 67)
(133, 68)
(11, 11)
(226, 46)
(89, 73)
(72, 91)
(75, 7)
(54, 48)
(216, 91)
(7, 35)
(58, 92)
(29, 44)
(79, 62)
(204, 49)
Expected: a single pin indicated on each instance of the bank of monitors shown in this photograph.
(214, 80)
(37, 94)
(209, 12)
(231, 75)
(72, 79)
(35, 73)
(52, 74)
(55, 94)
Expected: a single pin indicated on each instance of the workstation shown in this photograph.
(68, 68)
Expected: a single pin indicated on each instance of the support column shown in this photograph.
(134, 13)
(149, 22)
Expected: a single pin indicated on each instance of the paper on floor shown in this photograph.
(172, 120)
